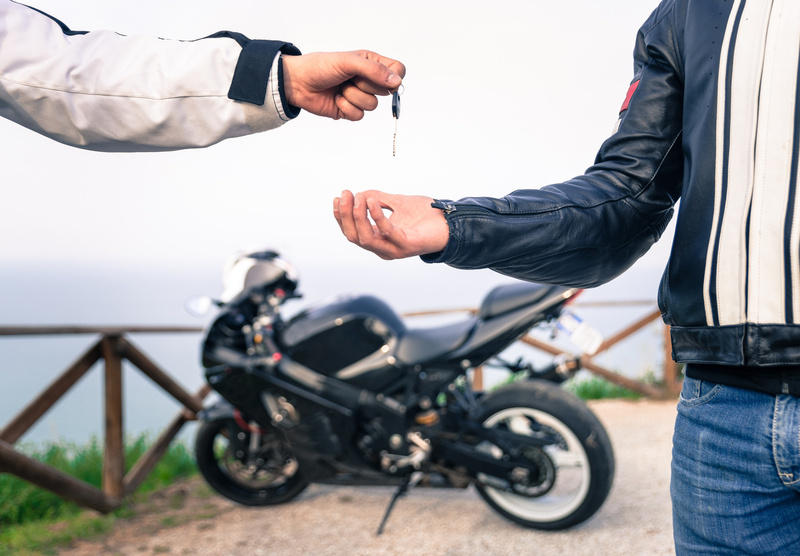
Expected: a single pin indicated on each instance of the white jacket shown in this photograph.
(104, 91)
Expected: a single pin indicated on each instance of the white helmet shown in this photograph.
(247, 271)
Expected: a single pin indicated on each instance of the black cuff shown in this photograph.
(290, 110)
(445, 255)
(252, 70)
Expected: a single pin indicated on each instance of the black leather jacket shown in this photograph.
(711, 119)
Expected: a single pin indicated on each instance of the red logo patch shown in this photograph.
(629, 96)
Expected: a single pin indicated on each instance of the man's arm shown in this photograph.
(104, 91)
(581, 232)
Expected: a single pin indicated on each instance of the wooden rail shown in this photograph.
(671, 381)
(112, 347)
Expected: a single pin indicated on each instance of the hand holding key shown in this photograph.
(340, 84)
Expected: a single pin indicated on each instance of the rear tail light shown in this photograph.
(571, 299)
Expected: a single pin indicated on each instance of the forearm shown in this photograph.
(532, 235)
(110, 92)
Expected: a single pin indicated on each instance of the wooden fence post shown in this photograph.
(477, 379)
(672, 381)
(114, 451)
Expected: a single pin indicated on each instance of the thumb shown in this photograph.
(375, 72)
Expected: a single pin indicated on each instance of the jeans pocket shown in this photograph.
(697, 392)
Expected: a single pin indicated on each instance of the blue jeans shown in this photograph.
(735, 471)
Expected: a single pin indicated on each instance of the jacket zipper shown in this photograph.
(449, 207)
(445, 206)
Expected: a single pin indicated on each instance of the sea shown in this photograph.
(51, 293)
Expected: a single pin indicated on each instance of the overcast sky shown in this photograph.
(499, 95)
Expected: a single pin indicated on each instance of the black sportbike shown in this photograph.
(345, 393)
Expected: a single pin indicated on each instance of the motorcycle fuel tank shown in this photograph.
(351, 338)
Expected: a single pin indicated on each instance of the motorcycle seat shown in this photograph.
(503, 299)
(419, 345)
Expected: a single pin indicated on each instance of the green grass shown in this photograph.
(593, 388)
(33, 519)
(596, 388)
(43, 536)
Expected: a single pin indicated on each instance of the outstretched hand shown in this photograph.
(413, 228)
(340, 84)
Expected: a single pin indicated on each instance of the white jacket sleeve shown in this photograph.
(108, 92)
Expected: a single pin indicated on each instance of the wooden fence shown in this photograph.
(113, 346)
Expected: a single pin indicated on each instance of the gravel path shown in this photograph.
(326, 520)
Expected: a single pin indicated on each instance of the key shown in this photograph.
(396, 104)
(396, 116)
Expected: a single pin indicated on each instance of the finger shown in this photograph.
(368, 66)
(346, 222)
(385, 226)
(368, 87)
(394, 65)
(336, 214)
(359, 98)
(364, 228)
(347, 110)
(396, 244)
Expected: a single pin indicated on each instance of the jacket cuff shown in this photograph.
(253, 70)
(447, 254)
(286, 109)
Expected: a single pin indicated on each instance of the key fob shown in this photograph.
(396, 105)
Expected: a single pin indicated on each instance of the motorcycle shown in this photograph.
(345, 393)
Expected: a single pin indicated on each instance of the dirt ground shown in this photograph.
(189, 519)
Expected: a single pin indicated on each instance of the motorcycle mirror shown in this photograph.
(199, 305)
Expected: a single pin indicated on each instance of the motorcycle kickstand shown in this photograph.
(410, 481)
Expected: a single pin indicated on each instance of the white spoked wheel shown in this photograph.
(574, 472)
(571, 477)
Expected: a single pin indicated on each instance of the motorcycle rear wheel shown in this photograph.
(576, 473)
(273, 482)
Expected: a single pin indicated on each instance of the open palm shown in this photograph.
(413, 227)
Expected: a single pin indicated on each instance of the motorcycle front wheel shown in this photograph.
(574, 474)
(253, 472)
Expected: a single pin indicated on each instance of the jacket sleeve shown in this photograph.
(104, 91)
(587, 230)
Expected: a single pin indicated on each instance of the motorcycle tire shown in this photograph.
(578, 471)
(225, 480)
